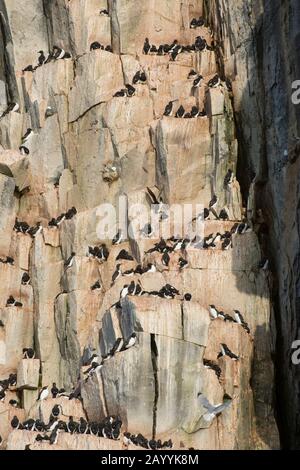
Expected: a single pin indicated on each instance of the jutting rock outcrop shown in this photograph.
(157, 360)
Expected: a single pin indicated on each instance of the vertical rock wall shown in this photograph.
(81, 134)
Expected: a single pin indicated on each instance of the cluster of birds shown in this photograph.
(7, 260)
(23, 227)
(96, 45)
(129, 90)
(109, 428)
(12, 302)
(56, 54)
(6, 385)
(237, 318)
(141, 441)
(197, 22)
(55, 222)
(174, 49)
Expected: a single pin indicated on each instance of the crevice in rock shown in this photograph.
(154, 356)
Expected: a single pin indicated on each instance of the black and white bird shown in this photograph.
(130, 342)
(28, 134)
(197, 82)
(183, 263)
(228, 178)
(213, 410)
(104, 12)
(214, 82)
(117, 238)
(192, 75)
(194, 112)
(150, 268)
(56, 411)
(69, 263)
(130, 90)
(213, 203)
(147, 230)
(96, 286)
(213, 312)
(240, 320)
(25, 281)
(223, 215)
(264, 264)
(11, 108)
(54, 390)
(147, 46)
(24, 150)
(95, 45)
(227, 243)
(44, 393)
(34, 231)
(41, 58)
(124, 255)
(169, 109)
(225, 351)
(28, 353)
(187, 297)
(116, 274)
(180, 112)
(124, 292)
(165, 259)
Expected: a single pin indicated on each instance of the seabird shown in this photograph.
(213, 312)
(223, 215)
(213, 366)
(24, 150)
(200, 44)
(180, 112)
(34, 231)
(213, 203)
(96, 286)
(44, 393)
(226, 244)
(130, 342)
(120, 93)
(130, 90)
(117, 238)
(187, 297)
(54, 390)
(70, 213)
(192, 74)
(15, 423)
(213, 410)
(10, 301)
(12, 107)
(169, 109)
(197, 82)
(194, 111)
(194, 23)
(13, 403)
(116, 274)
(25, 279)
(41, 58)
(124, 255)
(70, 260)
(28, 353)
(214, 82)
(165, 259)
(147, 230)
(150, 268)
(117, 346)
(29, 68)
(95, 45)
(124, 292)
(56, 411)
(153, 49)
(228, 178)
(183, 263)
(54, 436)
(147, 46)
(104, 12)
(131, 288)
(27, 135)
(240, 320)
(264, 264)
(225, 351)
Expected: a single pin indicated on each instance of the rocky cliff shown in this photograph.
(82, 137)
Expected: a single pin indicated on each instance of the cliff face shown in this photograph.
(89, 147)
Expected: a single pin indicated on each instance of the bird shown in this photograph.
(213, 203)
(147, 230)
(116, 274)
(264, 264)
(34, 231)
(95, 45)
(180, 112)
(24, 150)
(12, 107)
(25, 279)
(130, 90)
(214, 82)
(183, 263)
(28, 353)
(104, 12)
(124, 292)
(226, 244)
(225, 351)
(96, 286)
(29, 68)
(147, 46)
(130, 342)
(69, 263)
(192, 74)
(27, 135)
(169, 109)
(54, 390)
(44, 393)
(213, 312)
(194, 111)
(165, 259)
(213, 410)
(188, 297)
(117, 238)
(197, 82)
(56, 411)
(240, 320)
(228, 178)
(223, 215)
(120, 93)
(124, 255)
(41, 58)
